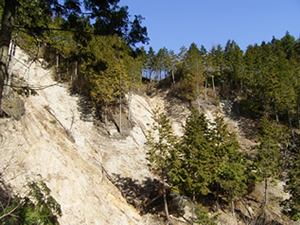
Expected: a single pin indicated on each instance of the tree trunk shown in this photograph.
(218, 199)
(291, 125)
(242, 93)
(57, 64)
(75, 70)
(151, 78)
(198, 97)
(7, 26)
(246, 207)
(173, 77)
(193, 209)
(232, 207)
(105, 115)
(165, 197)
(266, 194)
(205, 92)
(129, 106)
(160, 75)
(11, 65)
(120, 106)
(213, 83)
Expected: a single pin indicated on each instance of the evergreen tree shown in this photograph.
(170, 64)
(33, 17)
(36, 207)
(230, 175)
(161, 142)
(194, 171)
(218, 62)
(291, 206)
(151, 63)
(194, 78)
(234, 65)
(134, 69)
(106, 72)
(160, 62)
(267, 160)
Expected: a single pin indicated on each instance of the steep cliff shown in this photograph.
(56, 140)
(52, 142)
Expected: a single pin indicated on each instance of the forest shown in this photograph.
(92, 46)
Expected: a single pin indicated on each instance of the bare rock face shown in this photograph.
(56, 140)
(52, 143)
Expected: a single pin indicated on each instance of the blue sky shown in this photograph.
(174, 23)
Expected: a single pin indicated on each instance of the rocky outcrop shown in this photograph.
(51, 142)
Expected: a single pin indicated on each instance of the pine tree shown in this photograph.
(234, 65)
(230, 174)
(267, 160)
(195, 151)
(218, 64)
(194, 78)
(193, 173)
(106, 71)
(134, 70)
(170, 64)
(291, 206)
(161, 142)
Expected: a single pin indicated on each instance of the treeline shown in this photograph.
(264, 78)
(97, 54)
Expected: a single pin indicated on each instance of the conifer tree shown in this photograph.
(218, 62)
(161, 57)
(194, 78)
(106, 72)
(161, 142)
(230, 175)
(291, 206)
(151, 64)
(195, 150)
(171, 62)
(234, 65)
(267, 160)
(134, 70)
(195, 173)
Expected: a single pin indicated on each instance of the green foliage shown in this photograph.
(202, 216)
(249, 108)
(37, 207)
(162, 154)
(267, 159)
(209, 158)
(161, 141)
(195, 172)
(193, 69)
(110, 70)
(231, 175)
(291, 206)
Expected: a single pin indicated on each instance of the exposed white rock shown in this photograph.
(75, 160)
(52, 142)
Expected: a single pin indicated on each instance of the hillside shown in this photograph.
(84, 164)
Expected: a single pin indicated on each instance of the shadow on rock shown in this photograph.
(145, 196)
(86, 109)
